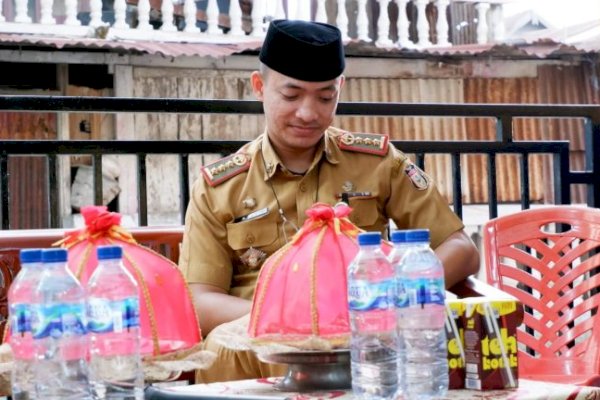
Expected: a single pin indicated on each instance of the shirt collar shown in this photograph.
(272, 161)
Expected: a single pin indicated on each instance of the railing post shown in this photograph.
(144, 15)
(166, 9)
(442, 23)
(342, 19)
(212, 17)
(235, 16)
(362, 22)
(71, 13)
(189, 12)
(120, 15)
(5, 206)
(422, 24)
(498, 30)
(383, 25)
(482, 25)
(403, 25)
(95, 13)
(2, 19)
(46, 17)
(257, 18)
(21, 12)
(321, 14)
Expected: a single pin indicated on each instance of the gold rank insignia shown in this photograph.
(371, 143)
(226, 168)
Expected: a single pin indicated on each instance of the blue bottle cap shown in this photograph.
(54, 255)
(30, 255)
(367, 238)
(417, 235)
(399, 236)
(109, 252)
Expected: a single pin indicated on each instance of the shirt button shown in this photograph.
(303, 187)
(250, 238)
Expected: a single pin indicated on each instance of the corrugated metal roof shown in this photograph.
(166, 49)
(583, 38)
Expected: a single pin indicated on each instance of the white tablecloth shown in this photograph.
(527, 390)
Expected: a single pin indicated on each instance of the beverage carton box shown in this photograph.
(454, 334)
(490, 343)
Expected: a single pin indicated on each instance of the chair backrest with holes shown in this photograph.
(547, 258)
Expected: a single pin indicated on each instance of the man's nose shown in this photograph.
(308, 111)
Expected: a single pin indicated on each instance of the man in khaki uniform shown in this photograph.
(247, 205)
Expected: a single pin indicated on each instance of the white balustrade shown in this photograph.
(21, 12)
(46, 17)
(257, 18)
(442, 23)
(498, 31)
(403, 25)
(212, 18)
(383, 25)
(120, 15)
(342, 19)
(489, 22)
(235, 16)
(71, 13)
(362, 22)
(166, 9)
(95, 13)
(422, 23)
(482, 26)
(189, 13)
(321, 15)
(143, 15)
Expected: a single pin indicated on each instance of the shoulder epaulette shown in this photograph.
(371, 143)
(226, 168)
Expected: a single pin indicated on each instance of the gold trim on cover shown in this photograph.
(314, 311)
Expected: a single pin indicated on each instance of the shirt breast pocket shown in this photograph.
(259, 234)
(364, 211)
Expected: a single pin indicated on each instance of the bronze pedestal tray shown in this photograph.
(313, 370)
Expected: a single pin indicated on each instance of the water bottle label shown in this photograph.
(400, 296)
(366, 296)
(20, 318)
(113, 316)
(424, 291)
(58, 320)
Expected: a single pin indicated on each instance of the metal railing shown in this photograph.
(563, 176)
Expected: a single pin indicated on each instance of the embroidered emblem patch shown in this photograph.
(416, 176)
(371, 143)
(225, 168)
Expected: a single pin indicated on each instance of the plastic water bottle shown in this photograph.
(373, 342)
(400, 247)
(59, 331)
(422, 319)
(114, 326)
(20, 295)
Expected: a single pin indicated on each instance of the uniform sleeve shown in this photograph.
(416, 203)
(205, 256)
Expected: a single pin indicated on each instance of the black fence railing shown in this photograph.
(503, 114)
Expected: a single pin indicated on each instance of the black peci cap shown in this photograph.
(308, 51)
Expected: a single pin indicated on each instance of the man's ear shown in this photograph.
(258, 84)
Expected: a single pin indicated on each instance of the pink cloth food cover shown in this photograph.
(301, 290)
(167, 317)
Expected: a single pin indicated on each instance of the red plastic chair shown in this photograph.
(544, 257)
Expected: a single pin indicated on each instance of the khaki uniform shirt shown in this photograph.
(233, 225)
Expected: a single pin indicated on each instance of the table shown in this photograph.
(527, 390)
